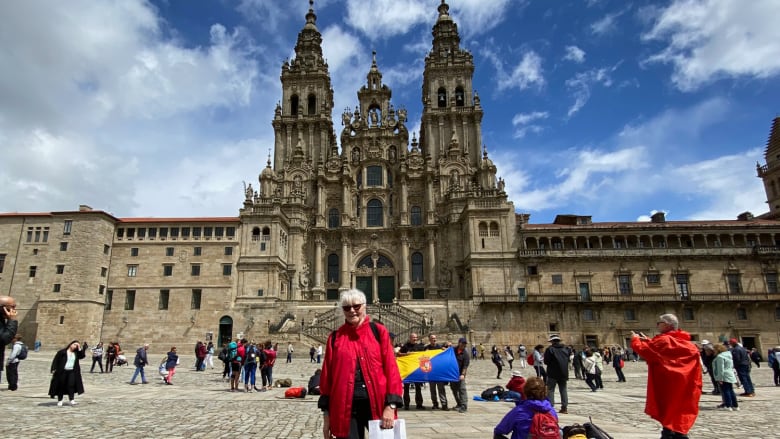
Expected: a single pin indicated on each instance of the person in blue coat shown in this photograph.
(518, 420)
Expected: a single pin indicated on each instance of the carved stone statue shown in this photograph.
(303, 277)
(249, 192)
(374, 115)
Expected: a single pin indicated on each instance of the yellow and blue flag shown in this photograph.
(426, 366)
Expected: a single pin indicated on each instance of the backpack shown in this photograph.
(23, 352)
(544, 426)
(295, 392)
(232, 354)
(531, 360)
(223, 355)
(251, 354)
(491, 393)
(594, 431)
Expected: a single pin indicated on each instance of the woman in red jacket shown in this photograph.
(360, 379)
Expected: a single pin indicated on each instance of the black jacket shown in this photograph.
(556, 357)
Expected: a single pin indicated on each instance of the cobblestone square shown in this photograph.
(199, 405)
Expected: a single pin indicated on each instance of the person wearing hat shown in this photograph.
(459, 387)
(556, 357)
(515, 386)
(673, 376)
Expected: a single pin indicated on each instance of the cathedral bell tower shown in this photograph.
(451, 109)
(303, 128)
(770, 173)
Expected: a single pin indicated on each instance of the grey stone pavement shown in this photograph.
(199, 405)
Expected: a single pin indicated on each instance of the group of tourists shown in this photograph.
(242, 359)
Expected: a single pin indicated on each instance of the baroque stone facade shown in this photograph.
(422, 225)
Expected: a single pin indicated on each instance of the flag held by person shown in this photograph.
(426, 366)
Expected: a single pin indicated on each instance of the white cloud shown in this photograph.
(708, 40)
(524, 123)
(378, 19)
(99, 94)
(654, 160)
(607, 24)
(476, 17)
(722, 181)
(582, 83)
(575, 54)
(526, 74)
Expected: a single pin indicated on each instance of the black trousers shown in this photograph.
(12, 375)
(99, 361)
(418, 398)
(361, 414)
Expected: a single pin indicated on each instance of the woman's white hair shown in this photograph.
(351, 297)
(670, 319)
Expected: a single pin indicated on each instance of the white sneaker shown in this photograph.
(73, 402)
(736, 409)
(59, 403)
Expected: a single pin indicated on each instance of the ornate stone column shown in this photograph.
(431, 261)
(405, 290)
(345, 263)
(318, 262)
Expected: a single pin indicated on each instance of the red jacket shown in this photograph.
(673, 379)
(516, 384)
(380, 372)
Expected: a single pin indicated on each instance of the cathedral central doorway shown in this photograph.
(376, 277)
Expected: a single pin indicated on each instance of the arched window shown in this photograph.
(383, 262)
(294, 105)
(374, 213)
(416, 216)
(417, 267)
(483, 229)
(256, 234)
(333, 268)
(441, 97)
(366, 262)
(459, 97)
(312, 105)
(494, 229)
(266, 234)
(333, 218)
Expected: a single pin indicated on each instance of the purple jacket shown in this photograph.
(518, 420)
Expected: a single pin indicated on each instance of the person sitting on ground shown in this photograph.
(515, 386)
(314, 383)
(518, 420)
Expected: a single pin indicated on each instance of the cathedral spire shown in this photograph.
(308, 48)
(773, 143)
(311, 17)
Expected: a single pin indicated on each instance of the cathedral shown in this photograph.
(422, 225)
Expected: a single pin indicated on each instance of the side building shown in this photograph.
(421, 224)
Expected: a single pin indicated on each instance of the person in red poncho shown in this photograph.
(360, 380)
(673, 378)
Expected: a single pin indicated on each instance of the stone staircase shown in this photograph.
(398, 319)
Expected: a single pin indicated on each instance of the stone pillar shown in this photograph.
(345, 262)
(405, 290)
(317, 262)
(431, 262)
(404, 204)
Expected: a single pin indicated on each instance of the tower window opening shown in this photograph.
(294, 105)
(312, 105)
(459, 97)
(441, 97)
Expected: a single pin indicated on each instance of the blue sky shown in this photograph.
(595, 107)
